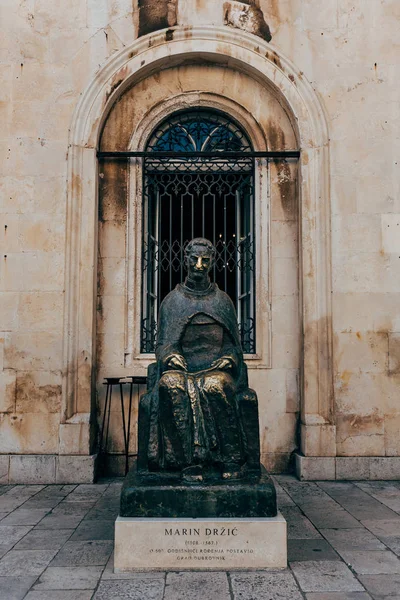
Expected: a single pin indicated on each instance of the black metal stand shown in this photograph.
(110, 382)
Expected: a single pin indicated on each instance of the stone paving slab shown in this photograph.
(56, 521)
(84, 554)
(103, 513)
(382, 587)
(249, 586)
(369, 510)
(352, 539)
(56, 543)
(18, 563)
(304, 492)
(191, 586)
(393, 543)
(42, 502)
(11, 534)
(109, 575)
(69, 578)
(137, 589)
(60, 595)
(383, 528)
(44, 539)
(9, 503)
(339, 596)
(73, 508)
(298, 526)
(372, 562)
(25, 516)
(387, 494)
(15, 588)
(325, 576)
(331, 519)
(94, 530)
(4, 548)
(300, 550)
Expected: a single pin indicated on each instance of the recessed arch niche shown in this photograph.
(279, 110)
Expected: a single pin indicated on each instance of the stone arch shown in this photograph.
(262, 61)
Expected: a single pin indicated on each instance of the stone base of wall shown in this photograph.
(113, 465)
(47, 469)
(347, 468)
(51, 469)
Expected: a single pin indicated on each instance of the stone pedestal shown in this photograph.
(143, 544)
(160, 497)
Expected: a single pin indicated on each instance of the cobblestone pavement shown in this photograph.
(56, 543)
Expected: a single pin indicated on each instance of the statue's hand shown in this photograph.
(223, 364)
(177, 361)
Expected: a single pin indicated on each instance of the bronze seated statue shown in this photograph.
(198, 421)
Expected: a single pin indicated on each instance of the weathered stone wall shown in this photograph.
(277, 385)
(358, 84)
(49, 53)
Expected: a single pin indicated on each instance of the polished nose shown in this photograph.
(199, 264)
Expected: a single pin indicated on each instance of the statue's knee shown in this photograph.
(172, 381)
(219, 382)
(249, 396)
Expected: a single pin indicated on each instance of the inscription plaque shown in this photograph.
(224, 544)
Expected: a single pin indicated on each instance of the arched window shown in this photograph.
(198, 182)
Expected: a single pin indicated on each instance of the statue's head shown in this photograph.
(199, 258)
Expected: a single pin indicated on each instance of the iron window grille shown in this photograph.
(198, 181)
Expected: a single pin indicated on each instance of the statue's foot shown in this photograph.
(231, 471)
(193, 473)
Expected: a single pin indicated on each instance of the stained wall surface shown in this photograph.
(348, 50)
(275, 375)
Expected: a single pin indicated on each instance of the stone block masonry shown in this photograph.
(327, 370)
(47, 469)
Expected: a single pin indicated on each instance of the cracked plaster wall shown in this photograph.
(49, 51)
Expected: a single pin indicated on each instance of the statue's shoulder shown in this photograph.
(223, 297)
(176, 292)
(180, 297)
(172, 297)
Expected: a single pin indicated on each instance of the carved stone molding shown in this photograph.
(154, 16)
(247, 17)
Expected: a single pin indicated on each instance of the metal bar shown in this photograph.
(245, 295)
(157, 254)
(219, 155)
(225, 241)
(129, 429)
(252, 299)
(214, 236)
(108, 418)
(170, 242)
(238, 273)
(104, 419)
(145, 256)
(123, 415)
(203, 230)
(193, 215)
(181, 235)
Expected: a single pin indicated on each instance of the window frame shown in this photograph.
(182, 125)
(134, 358)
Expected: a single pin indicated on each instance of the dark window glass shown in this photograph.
(205, 194)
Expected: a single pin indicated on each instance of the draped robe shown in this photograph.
(194, 417)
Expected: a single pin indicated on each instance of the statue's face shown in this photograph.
(199, 262)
